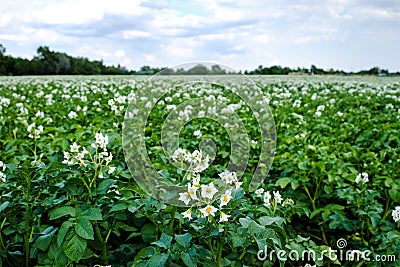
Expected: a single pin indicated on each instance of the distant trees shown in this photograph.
(274, 70)
(198, 69)
(48, 62)
(278, 70)
(2, 60)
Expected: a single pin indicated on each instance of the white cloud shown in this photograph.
(179, 48)
(34, 35)
(245, 34)
(119, 53)
(132, 34)
(5, 19)
(262, 39)
(150, 58)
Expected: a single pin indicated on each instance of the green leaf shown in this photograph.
(4, 205)
(133, 209)
(164, 242)
(245, 222)
(255, 228)
(238, 241)
(63, 231)
(62, 211)
(93, 214)
(43, 241)
(394, 194)
(87, 254)
(183, 240)
(105, 185)
(56, 255)
(119, 207)
(294, 184)
(237, 193)
(12, 166)
(261, 243)
(375, 218)
(283, 182)
(302, 165)
(157, 260)
(187, 259)
(148, 232)
(84, 228)
(143, 253)
(74, 246)
(266, 220)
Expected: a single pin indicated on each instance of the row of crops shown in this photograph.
(173, 171)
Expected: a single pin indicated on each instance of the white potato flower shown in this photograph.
(192, 190)
(225, 198)
(259, 192)
(187, 214)
(72, 115)
(74, 148)
(208, 210)
(396, 214)
(197, 133)
(185, 197)
(208, 191)
(267, 198)
(277, 197)
(224, 217)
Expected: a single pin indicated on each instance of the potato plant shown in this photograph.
(70, 194)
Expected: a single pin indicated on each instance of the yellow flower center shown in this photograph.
(226, 198)
(191, 192)
(208, 209)
(208, 190)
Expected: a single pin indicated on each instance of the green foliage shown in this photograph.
(57, 214)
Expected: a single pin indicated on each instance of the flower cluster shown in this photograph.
(230, 177)
(98, 158)
(204, 195)
(34, 132)
(113, 104)
(72, 115)
(320, 108)
(396, 214)
(275, 200)
(2, 175)
(297, 103)
(196, 160)
(362, 177)
(197, 133)
(101, 141)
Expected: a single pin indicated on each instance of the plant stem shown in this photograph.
(104, 256)
(27, 234)
(313, 200)
(2, 246)
(27, 226)
(242, 254)
(220, 245)
(171, 224)
(211, 249)
(387, 210)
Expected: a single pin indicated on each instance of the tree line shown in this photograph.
(278, 70)
(48, 62)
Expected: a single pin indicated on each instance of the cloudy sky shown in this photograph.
(345, 34)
